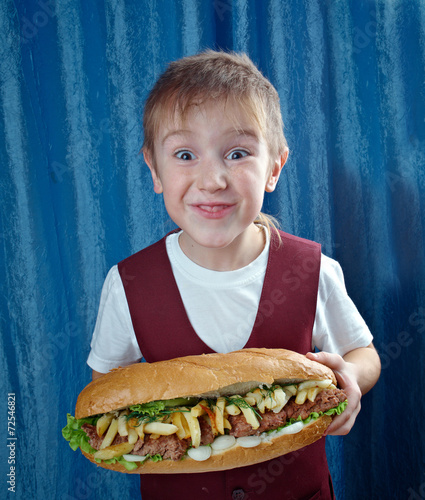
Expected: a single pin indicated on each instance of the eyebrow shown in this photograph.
(231, 131)
(248, 133)
(175, 133)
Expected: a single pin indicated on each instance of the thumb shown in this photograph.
(332, 360)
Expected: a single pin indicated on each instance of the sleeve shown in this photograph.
(338, 325)
(114, 342)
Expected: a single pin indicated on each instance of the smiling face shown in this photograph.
(213, 175)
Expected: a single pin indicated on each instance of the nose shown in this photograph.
(212, 176)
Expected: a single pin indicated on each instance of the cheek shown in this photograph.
(251, 183)
(174, 189)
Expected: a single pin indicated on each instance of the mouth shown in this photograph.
(213, 210)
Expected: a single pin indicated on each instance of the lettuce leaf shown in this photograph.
(338, 409)
(152, 409)
(76, 437)
(162, 408)
(131, 465)
(125, 463)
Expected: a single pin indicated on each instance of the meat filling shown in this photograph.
(173, 448)
(325, 400)
(269, 420)
(170, 447)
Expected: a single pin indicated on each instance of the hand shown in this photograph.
(346, 375)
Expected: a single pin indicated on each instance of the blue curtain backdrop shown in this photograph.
(76, 198)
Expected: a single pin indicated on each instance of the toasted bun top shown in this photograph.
(206, 375)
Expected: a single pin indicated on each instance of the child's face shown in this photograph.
(213, 176)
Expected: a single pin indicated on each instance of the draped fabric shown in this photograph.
(76, 198)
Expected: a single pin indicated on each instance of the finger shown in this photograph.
(344, 380)
(337, 364)
(342, 425)
(333, 361)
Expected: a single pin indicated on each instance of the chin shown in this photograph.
(210, 239)
(214, 243)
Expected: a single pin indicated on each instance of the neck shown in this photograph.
(239, 253)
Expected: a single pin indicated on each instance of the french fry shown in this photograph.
(308, 384)
(250, 417)
(281, 398)
(219, 415)
(133, 424)
(252, 399)
(232, 409)
(226, 424)
(324, 384)
(301, 397)
(290, 389)
(110, 435)
(195, 430)
(132, 436)
(160, 428)
(179, 421)
(210, 416)
(247, 411)
(103, 423)
(199, 409)
(113, 451)
(265, 400)
(312, 393)
(122, 424)
(270, 401)
(140, 431)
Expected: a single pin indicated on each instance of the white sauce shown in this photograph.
(290, 429)
(253, 441)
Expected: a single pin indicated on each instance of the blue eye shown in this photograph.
(185, 155)
(237, 154)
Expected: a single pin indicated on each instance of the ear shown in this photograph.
(275, 171)
(157, 185)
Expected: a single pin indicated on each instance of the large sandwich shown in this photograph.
(204, 413)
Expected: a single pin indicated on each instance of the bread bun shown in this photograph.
(206, 375)
(232, 457)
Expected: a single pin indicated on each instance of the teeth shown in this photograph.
(213, 209)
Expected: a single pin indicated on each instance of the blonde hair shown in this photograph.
(215, 76)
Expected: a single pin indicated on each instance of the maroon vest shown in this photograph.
(285, 319)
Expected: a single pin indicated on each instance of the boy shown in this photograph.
(228, 279)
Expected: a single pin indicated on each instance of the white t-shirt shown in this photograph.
(222, 308)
